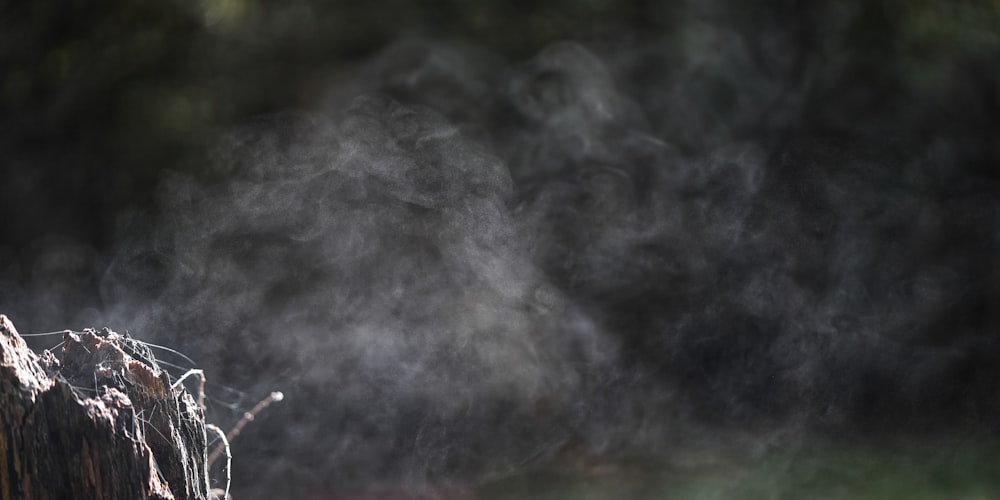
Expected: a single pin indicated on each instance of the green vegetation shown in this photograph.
(101, 99)
(913, 473)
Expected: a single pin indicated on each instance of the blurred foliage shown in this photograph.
(97, 100)
(946, 470)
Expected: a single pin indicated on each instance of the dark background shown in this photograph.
(875, 124)
(98, 100)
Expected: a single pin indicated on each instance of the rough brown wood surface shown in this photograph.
(99, 421)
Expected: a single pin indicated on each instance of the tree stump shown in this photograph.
(99, 421)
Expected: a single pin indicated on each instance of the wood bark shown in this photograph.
(100, 420)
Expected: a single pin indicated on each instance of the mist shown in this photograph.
(460, 265)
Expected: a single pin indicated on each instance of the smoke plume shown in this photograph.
(458, 266)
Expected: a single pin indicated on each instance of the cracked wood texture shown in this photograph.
(101, 421)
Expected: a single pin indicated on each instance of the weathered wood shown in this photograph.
(100, 421)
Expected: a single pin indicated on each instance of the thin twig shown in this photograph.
(60, 332)
(181, 354)
(201, 385)
(229, 455)
(247, 417)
